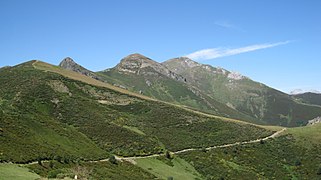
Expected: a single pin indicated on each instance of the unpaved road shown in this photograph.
(133, 158)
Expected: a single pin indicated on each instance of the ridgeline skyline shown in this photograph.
(276, 43)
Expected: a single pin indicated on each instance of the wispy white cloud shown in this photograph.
(213, 53)
(227, 25)
(224, 24)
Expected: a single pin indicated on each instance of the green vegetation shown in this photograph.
(60, 124)
(97, 170)
(178, 169)
(264, 104)
(307, 134)
(308, 98)
(280, 158)
(16, 172)
(153, 84)
(46, 116)
(135, 129)
(178, 129)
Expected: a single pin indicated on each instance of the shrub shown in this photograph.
(168, 155)
(319, 171)
(55, 173)
(51, 164)
(261, 141)
(297, 162)
(112, 159)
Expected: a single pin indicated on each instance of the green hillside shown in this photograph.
(151, 82)
(212, 90)
(45, 115)
(16, 172)
(293, 155)
(262, 103)
(59, 120)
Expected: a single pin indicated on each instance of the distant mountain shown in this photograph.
(143, 75)
(309, 98)
(301, 91)
(243, 94)
(137, 63)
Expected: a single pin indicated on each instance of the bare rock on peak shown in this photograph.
(69, 64)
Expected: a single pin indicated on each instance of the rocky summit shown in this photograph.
(139, 64)
(69, 64)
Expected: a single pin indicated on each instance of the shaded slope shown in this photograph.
(263, 103)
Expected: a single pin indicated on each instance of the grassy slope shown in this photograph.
(16, 172)
(28, 129)
(307, 134)
(31, 108)
(44, 114)
(188, 128)
(176, 168)
(99, 170)
(79, 77)
(294, 155)
(148, 124)
(169, 90)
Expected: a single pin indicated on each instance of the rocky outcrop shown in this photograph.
(70, 64)
(314, 121)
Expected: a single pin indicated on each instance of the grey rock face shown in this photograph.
(70, 64)
(314, 121)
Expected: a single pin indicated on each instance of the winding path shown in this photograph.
(133, 158)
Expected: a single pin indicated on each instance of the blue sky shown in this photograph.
(275, 42)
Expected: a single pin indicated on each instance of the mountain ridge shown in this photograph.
(243, 94)
(133, 63)
(211, 89)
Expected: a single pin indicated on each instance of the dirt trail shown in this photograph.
(133, 158)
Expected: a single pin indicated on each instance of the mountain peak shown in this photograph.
(69, 64)
(138, 59)
(140, 64)
(183, 61)
(134, 62)
(136, 56)
(180, 64)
